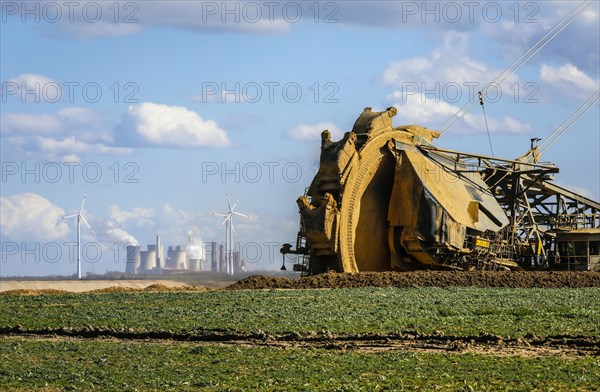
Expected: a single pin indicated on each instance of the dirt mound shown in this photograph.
(33, 287)
(33, 292)
(111, 289)
(512, 279)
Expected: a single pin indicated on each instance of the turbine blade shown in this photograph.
(215, 214)
(69, 216)
(82, 202)
(228, 217)
(86, 223)
(232, 228)
(240, 214)
(228, 202)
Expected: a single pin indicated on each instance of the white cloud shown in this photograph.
(157, 125)
(62, 136)
(580, 190)
(172, 224)
(433, 88)
(121, 236)
(30, 217)
(305, 132)
(104, 19)
(445, 71)
(68, 149)
(21, 123)
(517, 35)
(569, 80)
(139, 216)
(72, 132)
(32, 88)
(418, 109)
(102, 28)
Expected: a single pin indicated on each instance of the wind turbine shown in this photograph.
(229, 230)
(79, 219)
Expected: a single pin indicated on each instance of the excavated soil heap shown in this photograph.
(513, 279)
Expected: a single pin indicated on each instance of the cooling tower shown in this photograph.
(176, 258)
(179, 258)
(132, 265)
(237, 262)
(213, 256)
(148, 260)
(195, 265)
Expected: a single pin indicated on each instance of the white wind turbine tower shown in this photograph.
(229, 230)
(79, 219)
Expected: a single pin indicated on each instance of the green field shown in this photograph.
(46, 362)
(456, 311)
(82, 365)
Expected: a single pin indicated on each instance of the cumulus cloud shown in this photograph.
(514, 27)
(31, 217)
(67, 149)
(139, 216)
(418, 109)
(24, 123)
(151, 124)
(32, 88)
(62, 136)
(312, 132)
(72, 132)
(431, 89)
(448, 71)
(516, 35)
(568, 79)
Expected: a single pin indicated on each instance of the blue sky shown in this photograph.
(169, 141)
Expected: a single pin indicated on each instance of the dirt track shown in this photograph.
(512, 279)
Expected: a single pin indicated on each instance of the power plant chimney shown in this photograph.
(222, 267)
(159, 255)
(213, 257)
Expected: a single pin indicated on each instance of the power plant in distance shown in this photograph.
(203, 257)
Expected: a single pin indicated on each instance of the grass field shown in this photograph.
(47, 362)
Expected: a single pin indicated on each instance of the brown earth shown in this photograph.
(563, 345)
(512, 279)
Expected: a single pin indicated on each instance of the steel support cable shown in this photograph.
(473, 102)
(486, 123)
(569, 122)
(526, 56)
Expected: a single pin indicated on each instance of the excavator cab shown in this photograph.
(578, 250)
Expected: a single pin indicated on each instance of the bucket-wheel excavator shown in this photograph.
(385, 198)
